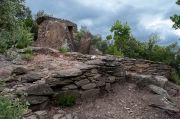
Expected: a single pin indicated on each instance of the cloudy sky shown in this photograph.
(143, 16)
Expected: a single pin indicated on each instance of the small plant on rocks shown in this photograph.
(26, 57)
(67, 100)
(174, 78)
(63, 49)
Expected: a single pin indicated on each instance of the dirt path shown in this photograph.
(125, 103)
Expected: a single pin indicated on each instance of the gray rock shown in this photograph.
(120, 72)
(160, 102)
(32, 77)
(94, 71)
(35, 99)
(89, 86)
(113, 64)
(85, 66)
(108, 87)
(68, 73)
(32, 117)
(58, 81)
(110, 79)
(90, 93)
(68, 116)
(159, 91)
(57, 116)
(41, 113)
(95, 62)
(101, 81)
(162, 80)
(94, 50)
(145, 80)
(40, 89)
(78, 78)
(82, 82)
(70, 87)
(19, 71)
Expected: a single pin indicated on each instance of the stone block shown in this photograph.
(82, 82)
(89, 86)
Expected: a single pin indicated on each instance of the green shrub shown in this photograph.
(63, 49)
(11, 108)
(67, 100)
(174, 78)
(22, 37)
(26, 57)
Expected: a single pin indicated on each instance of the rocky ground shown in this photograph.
(124, 102)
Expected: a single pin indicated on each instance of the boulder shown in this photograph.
(19, 71)
(40, 89)
(101, 81)
(159, 91)
(162, 80)
(56, 33)
(32, 77)
(85, 43)
(144, 80)
(35, 99)
(108, 87)
(94, 51)
(160, 102)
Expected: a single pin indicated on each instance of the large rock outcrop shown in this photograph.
(56, 33)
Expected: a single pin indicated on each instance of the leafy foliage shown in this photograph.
(8, 12)
(11, 108)
(102, 45)
(176, 18)
(67, 100)
(41, 13)
(121, 32)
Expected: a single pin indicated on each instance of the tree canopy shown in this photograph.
(176, 19)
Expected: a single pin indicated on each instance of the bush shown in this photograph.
(67, 100)
(63, 49)
(11, 108)
(174, 78)
(22, 37)
(26, 57)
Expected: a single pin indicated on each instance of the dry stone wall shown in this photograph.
(89, 77)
